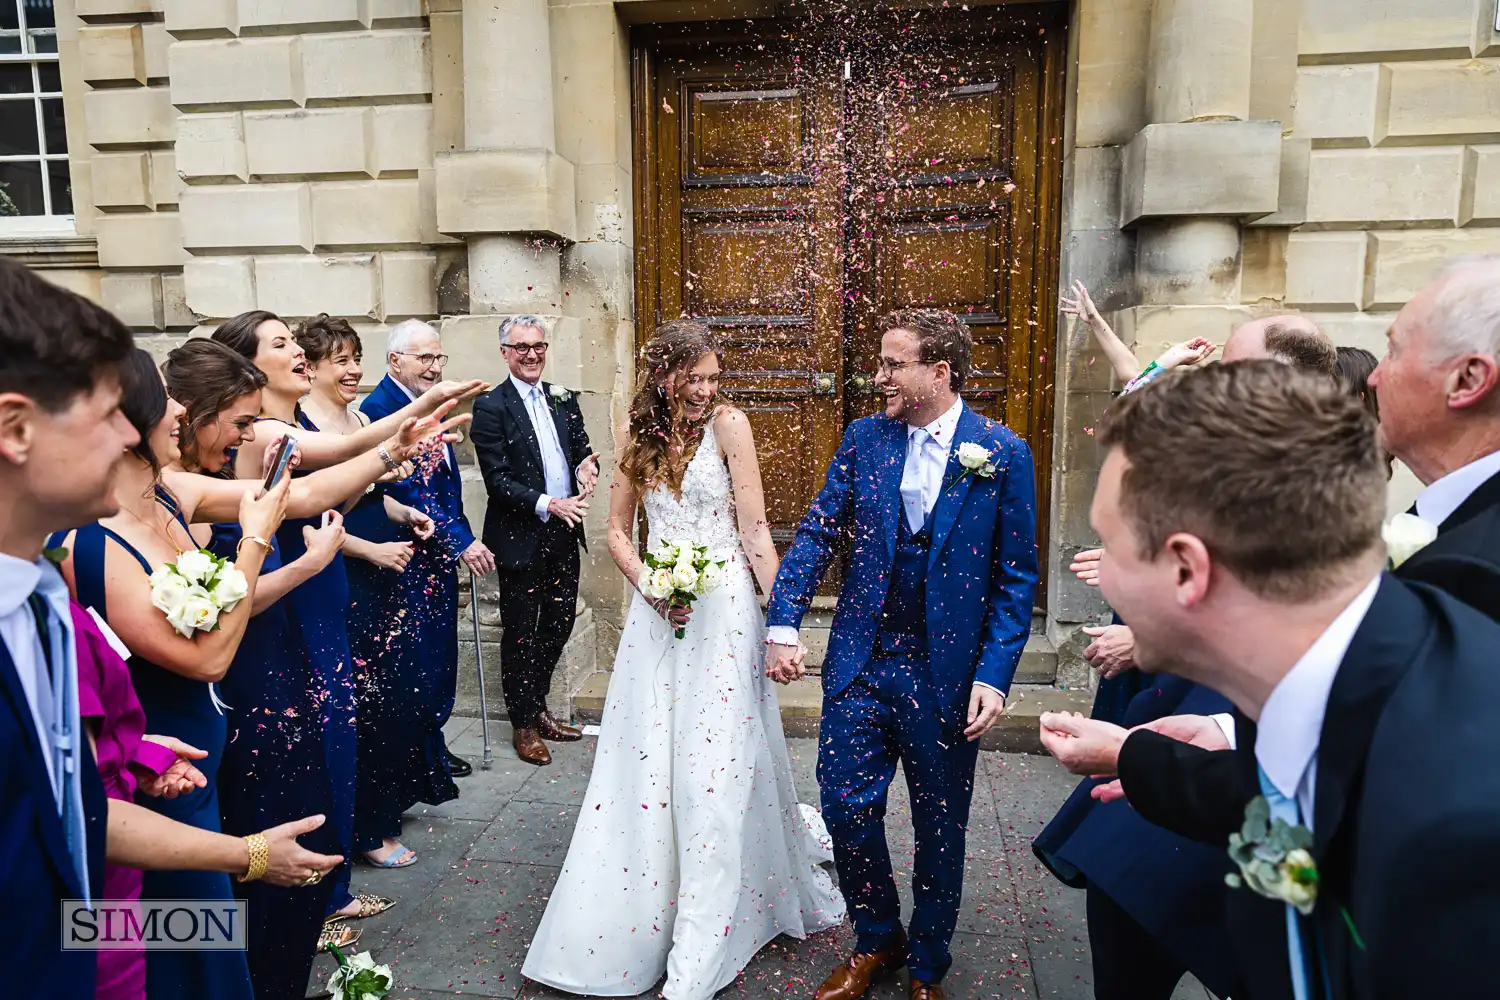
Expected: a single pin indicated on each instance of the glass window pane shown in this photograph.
(51, 77)
(15, 78)
(62, 187)
(17, 128)
(9, 44)
(43, 41)
(52, 122)
(21, 189)
(40, 14)
(9, 16)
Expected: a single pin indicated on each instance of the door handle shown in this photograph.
(861, 383)
(823, 384)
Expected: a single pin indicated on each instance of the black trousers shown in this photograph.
(537, 607)
(1128, 963)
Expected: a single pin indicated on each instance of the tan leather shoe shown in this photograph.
(852, 979)
(530, 748)
(926, 991)
(558, 732)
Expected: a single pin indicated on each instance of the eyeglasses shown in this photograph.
(538, 349)
(426, 360)
(887, 367)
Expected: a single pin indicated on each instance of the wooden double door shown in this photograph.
(795, 180)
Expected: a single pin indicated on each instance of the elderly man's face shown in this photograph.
(1411, 380)
(420, 366)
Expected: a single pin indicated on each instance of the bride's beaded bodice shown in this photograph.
(705, 511)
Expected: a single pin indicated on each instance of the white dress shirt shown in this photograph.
(1291, 721)
(1441, 498)
(554, 459)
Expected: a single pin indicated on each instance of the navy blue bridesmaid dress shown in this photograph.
(401, 756)
(275, 770)
(319, 615)
(182, 707)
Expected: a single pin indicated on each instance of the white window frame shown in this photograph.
(26, 225)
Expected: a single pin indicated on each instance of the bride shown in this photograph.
(691, 852)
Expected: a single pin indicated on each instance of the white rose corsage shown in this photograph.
(976, 460)
(559, 393)
(1405, 535)
(195, 590)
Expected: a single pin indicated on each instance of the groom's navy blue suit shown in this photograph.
(923, 616)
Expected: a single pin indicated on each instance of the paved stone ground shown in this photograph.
(466, 911)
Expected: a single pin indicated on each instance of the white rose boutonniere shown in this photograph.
(976, 460)
(560, 394)
(1405, 535)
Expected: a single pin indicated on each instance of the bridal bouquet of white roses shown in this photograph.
(359, 978)
(195, 590)
(680, 573)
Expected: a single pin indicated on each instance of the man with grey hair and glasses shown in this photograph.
(414, 355)
(539, 471)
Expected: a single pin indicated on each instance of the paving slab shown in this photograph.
(467, 910)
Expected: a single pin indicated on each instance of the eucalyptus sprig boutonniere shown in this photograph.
(976, 460)
(1274, 858)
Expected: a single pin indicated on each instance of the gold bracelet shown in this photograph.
(251, 538)
(260, 857)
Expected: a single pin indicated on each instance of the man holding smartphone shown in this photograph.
(540, 472)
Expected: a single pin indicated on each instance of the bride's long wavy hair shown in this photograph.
(662, 440)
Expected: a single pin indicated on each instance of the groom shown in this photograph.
(930, 626)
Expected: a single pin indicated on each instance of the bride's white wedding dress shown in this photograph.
(691, 852)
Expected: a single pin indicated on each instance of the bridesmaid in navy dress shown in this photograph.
(334, 354)
(276, 761)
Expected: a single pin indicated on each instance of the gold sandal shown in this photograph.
(369, 905)
(336, 932)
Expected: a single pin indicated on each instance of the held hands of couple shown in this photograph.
(784, 663)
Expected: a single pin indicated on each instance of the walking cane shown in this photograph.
(484, 715)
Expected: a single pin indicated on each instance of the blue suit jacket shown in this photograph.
(36, 871)
(440, 497)
(981, 573)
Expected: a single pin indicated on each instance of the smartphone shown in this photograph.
(279, 463)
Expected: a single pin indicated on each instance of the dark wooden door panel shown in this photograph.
(798, 179)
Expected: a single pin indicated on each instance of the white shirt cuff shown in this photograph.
(783, 635)
(982, 684)
(1226, 723)
(542, 502)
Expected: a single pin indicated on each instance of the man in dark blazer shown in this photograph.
(539, 472)
(61, 437)
(1261, 578)
(416, 360)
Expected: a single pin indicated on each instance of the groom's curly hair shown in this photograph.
(941, 336)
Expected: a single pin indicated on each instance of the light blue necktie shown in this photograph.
(1288, 811)
(56, 638)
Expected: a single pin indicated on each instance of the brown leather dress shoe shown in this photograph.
(926, 991)
(558, 732)
(530, 748)
(852, 979)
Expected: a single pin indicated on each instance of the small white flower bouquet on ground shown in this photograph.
(359, 978)
(680, 573)
(195, 590)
